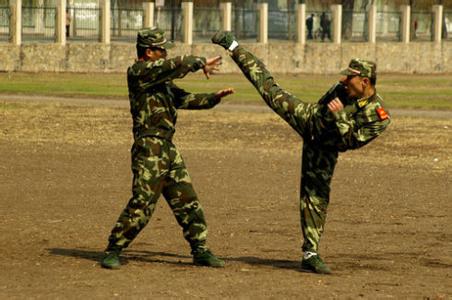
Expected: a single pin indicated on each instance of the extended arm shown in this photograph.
(185, 100)
(162, 70)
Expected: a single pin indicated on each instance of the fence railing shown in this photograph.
(125, 23)
(388, 26)
(82, 23)
(422, 25)
(170, 20)
(447, 25)
(38, 23)
(357, 29)
(4, 23)
(206, 21)
(245, 22)
(282, 24)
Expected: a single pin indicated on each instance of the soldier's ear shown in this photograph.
(366, 82)
(150, 54)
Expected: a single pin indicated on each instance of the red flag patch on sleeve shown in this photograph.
(382, 114)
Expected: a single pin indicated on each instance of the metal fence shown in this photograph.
(82, 23)
(125, 23)
(388, 26)
(422, 25)
(170, 20)
(359, 21)
(4, 23)
(319, 32)
(245, 22)
(38, 23)
(282, 24)
(447, 25)
(206, 21)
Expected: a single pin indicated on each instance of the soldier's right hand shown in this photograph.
(212, 65)
(335, 105)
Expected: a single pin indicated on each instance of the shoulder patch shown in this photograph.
(382, 114)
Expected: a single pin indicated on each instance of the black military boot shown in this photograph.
(111, 259)
(206, 258)
(315, 264)
(224, 39)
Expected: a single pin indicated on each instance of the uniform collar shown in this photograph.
(363, 101)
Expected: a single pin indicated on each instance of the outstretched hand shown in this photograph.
(224, 92)
(212, 65)
(335, 105)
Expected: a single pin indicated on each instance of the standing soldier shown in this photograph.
(335, 124)
(157, 166)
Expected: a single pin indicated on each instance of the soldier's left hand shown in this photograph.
(335, 105)
(224, 92)
(212, 65)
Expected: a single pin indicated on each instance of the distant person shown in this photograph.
(157, 166)
(310, 26)
(415, 25)
(348, 117)
(68, 23)
(325, 25)
(444, 29)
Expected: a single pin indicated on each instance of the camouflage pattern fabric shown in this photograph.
(158, 168)
(154, 98)
(153, 37)
(157, 165)
(361, 67)
(317, 168)
(324, 135)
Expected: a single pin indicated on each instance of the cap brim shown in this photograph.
(168, 45)
(347, 72)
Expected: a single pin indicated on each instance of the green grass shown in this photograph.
(64, 84)
(398, 91)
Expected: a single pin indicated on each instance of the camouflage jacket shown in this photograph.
(154, 98)
(356, 125)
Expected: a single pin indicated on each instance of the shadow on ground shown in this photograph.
(170, 258)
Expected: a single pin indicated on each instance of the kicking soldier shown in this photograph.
(327, 128)
(157, 166)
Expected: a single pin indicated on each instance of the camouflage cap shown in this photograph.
(153, 37)
(361, 67)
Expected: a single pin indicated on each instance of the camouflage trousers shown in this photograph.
(317, 162)
(158, 168)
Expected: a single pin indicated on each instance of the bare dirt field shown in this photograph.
(65, 176)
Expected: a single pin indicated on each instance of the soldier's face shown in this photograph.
(355, 85)
(156, 54)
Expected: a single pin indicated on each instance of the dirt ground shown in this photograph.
(65, 176)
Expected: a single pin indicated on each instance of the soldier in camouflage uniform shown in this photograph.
(335, 124)
(157, 166)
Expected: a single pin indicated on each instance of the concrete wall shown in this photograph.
(317, 58)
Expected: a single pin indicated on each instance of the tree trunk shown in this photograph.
(290, 8)
(412, 4)
(347, 18)
(365, 9)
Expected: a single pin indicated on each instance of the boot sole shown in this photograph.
(114, 267)
(207, 265)
(314, 272)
